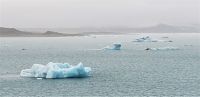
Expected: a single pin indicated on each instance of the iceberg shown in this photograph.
(163, 48)
(114, 46)
(56, 70)
(145, 39)
(148, 39)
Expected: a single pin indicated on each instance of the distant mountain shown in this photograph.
(51, 33)
(164, 28)
(12, 32)
(160, 28)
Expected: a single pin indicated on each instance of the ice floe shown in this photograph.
(163, 48)
(145, 39)
(56, 70)
(114, 46)
(149, 39)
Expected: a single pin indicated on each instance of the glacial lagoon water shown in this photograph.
(131, 71)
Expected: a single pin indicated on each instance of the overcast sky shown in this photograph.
(97, 13)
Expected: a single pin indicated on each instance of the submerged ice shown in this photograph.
(163, 48)
(56, 70)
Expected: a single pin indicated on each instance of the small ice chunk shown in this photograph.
(114, 46)
(40, 78)
(163, 48)
(27, 73)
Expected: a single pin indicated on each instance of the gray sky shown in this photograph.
(97, 13)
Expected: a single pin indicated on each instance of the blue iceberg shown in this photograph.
(56, 70)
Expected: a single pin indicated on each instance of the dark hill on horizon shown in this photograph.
(160, 28)
(12, 32)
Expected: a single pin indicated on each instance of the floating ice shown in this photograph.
(39, 78)
(148, 39)
(56, 70)
(114, 46)
(145, 39)
(163, 48)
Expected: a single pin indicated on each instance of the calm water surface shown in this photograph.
(131, 71)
